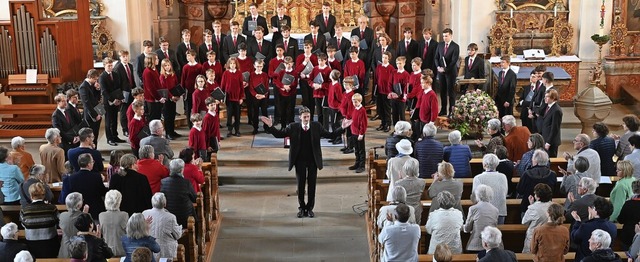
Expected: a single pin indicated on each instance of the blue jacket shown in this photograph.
(429, 153)
(459, 156)
(606, 148)
(130, 245)
(581, 232)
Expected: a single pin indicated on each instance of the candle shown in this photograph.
(601, 31)
(555, 11)
(511, 13)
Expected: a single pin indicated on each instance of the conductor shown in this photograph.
(305, 154)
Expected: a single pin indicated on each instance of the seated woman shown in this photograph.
(622, 189)
(599, 245)
(97, 249)
(134, 187)
(458, 155)
(386, 212)
(481, 215)
(10, 246)
(138, 236)
(550, 241)
(536, 214)
(444, 224)
(630, 215)
(192, 168)
(113, 222)
(404, 150)
(74, 204)
(164, 227)
(497, 139)
(179, 192)
(497, 182)
(40, 221)
(36, 174)
(401, 131)
(538, 173)
(444, 181)
(599, 214)
(414, 187)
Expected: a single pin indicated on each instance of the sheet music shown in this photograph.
(32, 76)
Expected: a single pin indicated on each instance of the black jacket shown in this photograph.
(344, 45)
(97, 249)
(450, 58)
(181, 53)
(477, 68)
(9, 248)
(135, 189)
(180, 197)
(551, 122)
(329, 27)
(261, 21)
(293, 131)
(172, 57)
(90, 98)
(499, 255)
(602, 255)
(530, 178)
(108, 85)
(291, 49)
(125, 84)
(203, 49)
(409, 53)
(228, 48)
(267, 50)
(428, 58)
(321, 42)
(90, 185)
(390, 145)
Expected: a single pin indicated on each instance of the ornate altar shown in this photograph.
(301, 12)
(622, 64)
(531, 24)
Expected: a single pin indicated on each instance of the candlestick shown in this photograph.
(555, 11)
(601, 32)
(511, 15)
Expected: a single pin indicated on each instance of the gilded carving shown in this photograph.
(195, 12)
(618, 36)
(407, 9)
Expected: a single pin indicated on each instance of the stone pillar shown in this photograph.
(386, 8)
(406, 15)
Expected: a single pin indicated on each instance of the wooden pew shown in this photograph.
(12, 213)
(188, 241)
(569, 257)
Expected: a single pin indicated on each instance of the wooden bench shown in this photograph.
(522, 257)
(12, 213)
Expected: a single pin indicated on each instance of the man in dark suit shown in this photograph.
(376, 58)
(218, 38)
(76, 117)
(473, 66)
(110, 87)
(260, 45)
(124, 69)
(427, 50)
(341, 43)
(290, 44)
(254, 17)
(551, 121)
(231, 42)
(277, 21)
(305, 154)
(326, 21)
(581, 203)
(88, 183)
(147, 46)
(89, 92)
(446, 59)
(506, 88)
(546, 84)
(491, 241)
(526, 100)
(165, 52)
(318, 39)
(183, 47)
(206, 46)
(62, 120)
(408, 48)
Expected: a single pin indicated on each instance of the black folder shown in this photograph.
(217, 94)
(260, 89)
(144, 132)
(177, 90)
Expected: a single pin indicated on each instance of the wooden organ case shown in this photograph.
(58, 48)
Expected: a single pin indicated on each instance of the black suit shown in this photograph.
(321, 42)
(59, 121)
(10, 248)
(109, 84)
(266, 50)
(261, 21)
(474, 70)
(329, 27)
(275, 22)
(89, 184)
(368, 36)
(499, 254)
(540, 105)
(428, 57)
(172, 57)
(228, 48)
(365, 55)
(140, 67)
(551, 121)
(506, 92)
(409, 52)
(203, 49)
(127, 85)
(448, 77)
(90, 98)
(218, 47)
(343, 47)
(181, 53)
(291, 49)
(524, 108)
(305, 154)
(376, 58)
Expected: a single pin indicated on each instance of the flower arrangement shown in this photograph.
(472, 111)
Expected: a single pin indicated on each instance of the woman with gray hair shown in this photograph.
(481, 215)
(497, 139)
(429, 151)
(535, 142)
(10, 246)
(26, 159)
(138, 236)
(492, 243)
(458, 155)
(444, 181)
(538, 173)
(134, 187)
(404, 150)
(113, 222)
(570, 181)
(599, 245)
(399, 195)
(74, 204)
(414, 187)
(402, 130)
(496, 181)
(52, 156)
(536, 214)
(179, 193)
(164, 227)
(36, 174)
(444, 224)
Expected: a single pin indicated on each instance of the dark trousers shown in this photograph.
(333, 118)
(111, 121)
(319, 110)
(503, 111)
(383, 109)
(276, 102)
(233, 111)
(348, 138)
(169, 113)
(124, 122)
(44, 248)
(553, 150)
(95, 126)
(447, 81)
(259, 109)
(287, 105)
(397, 111)
(306, 173)
(154, 109)
(249, 102)
(307, 96)
(359, 151)
(188, 104)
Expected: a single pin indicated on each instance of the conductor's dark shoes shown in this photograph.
(360, 170)
(300, 213)
(348, 151)
(229, 134)
(354, 167)
(310, 213)
(112, 143)
(118, 140)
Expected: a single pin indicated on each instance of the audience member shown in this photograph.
(113, 222)
(630, 125)
(429, 151)
(534, 143)
(401, 131)
(570, 181)
(551, 120)
(400, 239)
(622, 189)
(114, 164)
(444, 224)
(506, 167)
(142, 254)
(151, 168)
(134, 187)
(630, 215)
(414, 187)
(399, 196)
(86, 146)
(581, 231)
(496, 181)
(443, 181)
(515, 138)
(97, 249)
(10, 245)
(497, 139)
(492, 242)
(606, 148)
(78, 250)
(23, 256)
(443, 253)
(458, 155)
(36, 175)
(164, 227)
(581, 202)
(74, 204)
(538, 173)
(395, 164)
(88, 183)
(179, 193)
(192, 168)
(138, 236)
(40, 220)
(52, 156)
(26, 159)
(481, 215)
(160, 144)
(634, 157)
(581, 144)
(600, 250)
(536, 215)
(11, 178)
(550, 241)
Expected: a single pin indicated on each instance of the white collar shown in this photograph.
(427, 90)
(358, 107)
(232, 70)
(210, 63)
(348, 91)
(192, 64)
(288, 70)
(322, 67)
(257, 72)
(280, 58)
(210, 82)
(416, 72)
(550, 105)
(213, 113)
(385, 65)
(137, 117)
(401, 70)
(62, 109)
(547, 88)
(197, 128)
